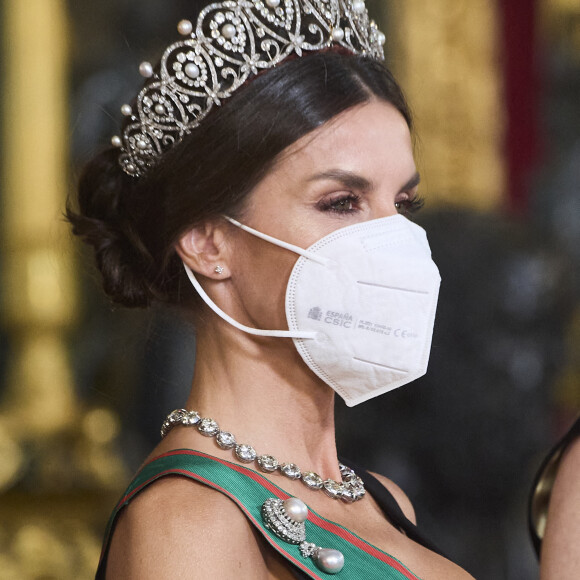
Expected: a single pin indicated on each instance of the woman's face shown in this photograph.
(357, 167)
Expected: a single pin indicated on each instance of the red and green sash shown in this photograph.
(249, 490)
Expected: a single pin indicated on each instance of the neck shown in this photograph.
(260, 390)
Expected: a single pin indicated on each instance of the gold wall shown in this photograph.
(446, 56)
(57, 470)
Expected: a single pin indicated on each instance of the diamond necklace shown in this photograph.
(349, 490)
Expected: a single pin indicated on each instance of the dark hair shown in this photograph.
(134, 223)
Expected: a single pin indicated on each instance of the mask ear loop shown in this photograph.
(296, 249)
(247, 329)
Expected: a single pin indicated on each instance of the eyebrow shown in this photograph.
(355, 181)
(347, 178)
(412, 183)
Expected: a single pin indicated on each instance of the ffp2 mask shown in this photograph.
(360, 306)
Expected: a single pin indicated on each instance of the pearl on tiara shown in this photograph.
(192, 70)
(228, 31)
(146, 69)
(185, 28)
(337, 34)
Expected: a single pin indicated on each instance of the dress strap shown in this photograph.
(391, 508)
(248, 489)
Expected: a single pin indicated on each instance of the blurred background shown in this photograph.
(84, 387)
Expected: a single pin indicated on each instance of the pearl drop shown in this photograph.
(116, 141)
(127, 110)
(358, 6)
(192, 70)
(296, 510)
(329, 561)
(228, 31)
(146, 69)
(273, 3)
(160, 109)
(185, 27)
(337, 34)
(381, 38)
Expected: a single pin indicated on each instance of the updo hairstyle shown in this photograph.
(133, 223)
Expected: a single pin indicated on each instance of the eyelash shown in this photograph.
(331, 204)
(409, 206)
(405, 207)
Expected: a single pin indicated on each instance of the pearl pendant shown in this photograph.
(282, 523)
(296, 509)
(329, 561)
(286, 520)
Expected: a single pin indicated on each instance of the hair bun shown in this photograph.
(103, 223)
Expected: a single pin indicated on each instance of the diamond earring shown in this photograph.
(218, 270)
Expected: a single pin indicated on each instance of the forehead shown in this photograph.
(373, 138)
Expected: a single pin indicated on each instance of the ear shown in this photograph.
(204, 250)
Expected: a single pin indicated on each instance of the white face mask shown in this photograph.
(360, 305)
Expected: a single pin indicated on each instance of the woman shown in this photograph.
(554, 514)
(266, 161)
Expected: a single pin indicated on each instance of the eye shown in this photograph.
(346, 204)
(409, 206)
(342, 204)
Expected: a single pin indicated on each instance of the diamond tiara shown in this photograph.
(232, 40)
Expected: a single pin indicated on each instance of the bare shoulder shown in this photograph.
(571, 458)
(399, 495)
(177, 525)
(566, 490)
(560, 547)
